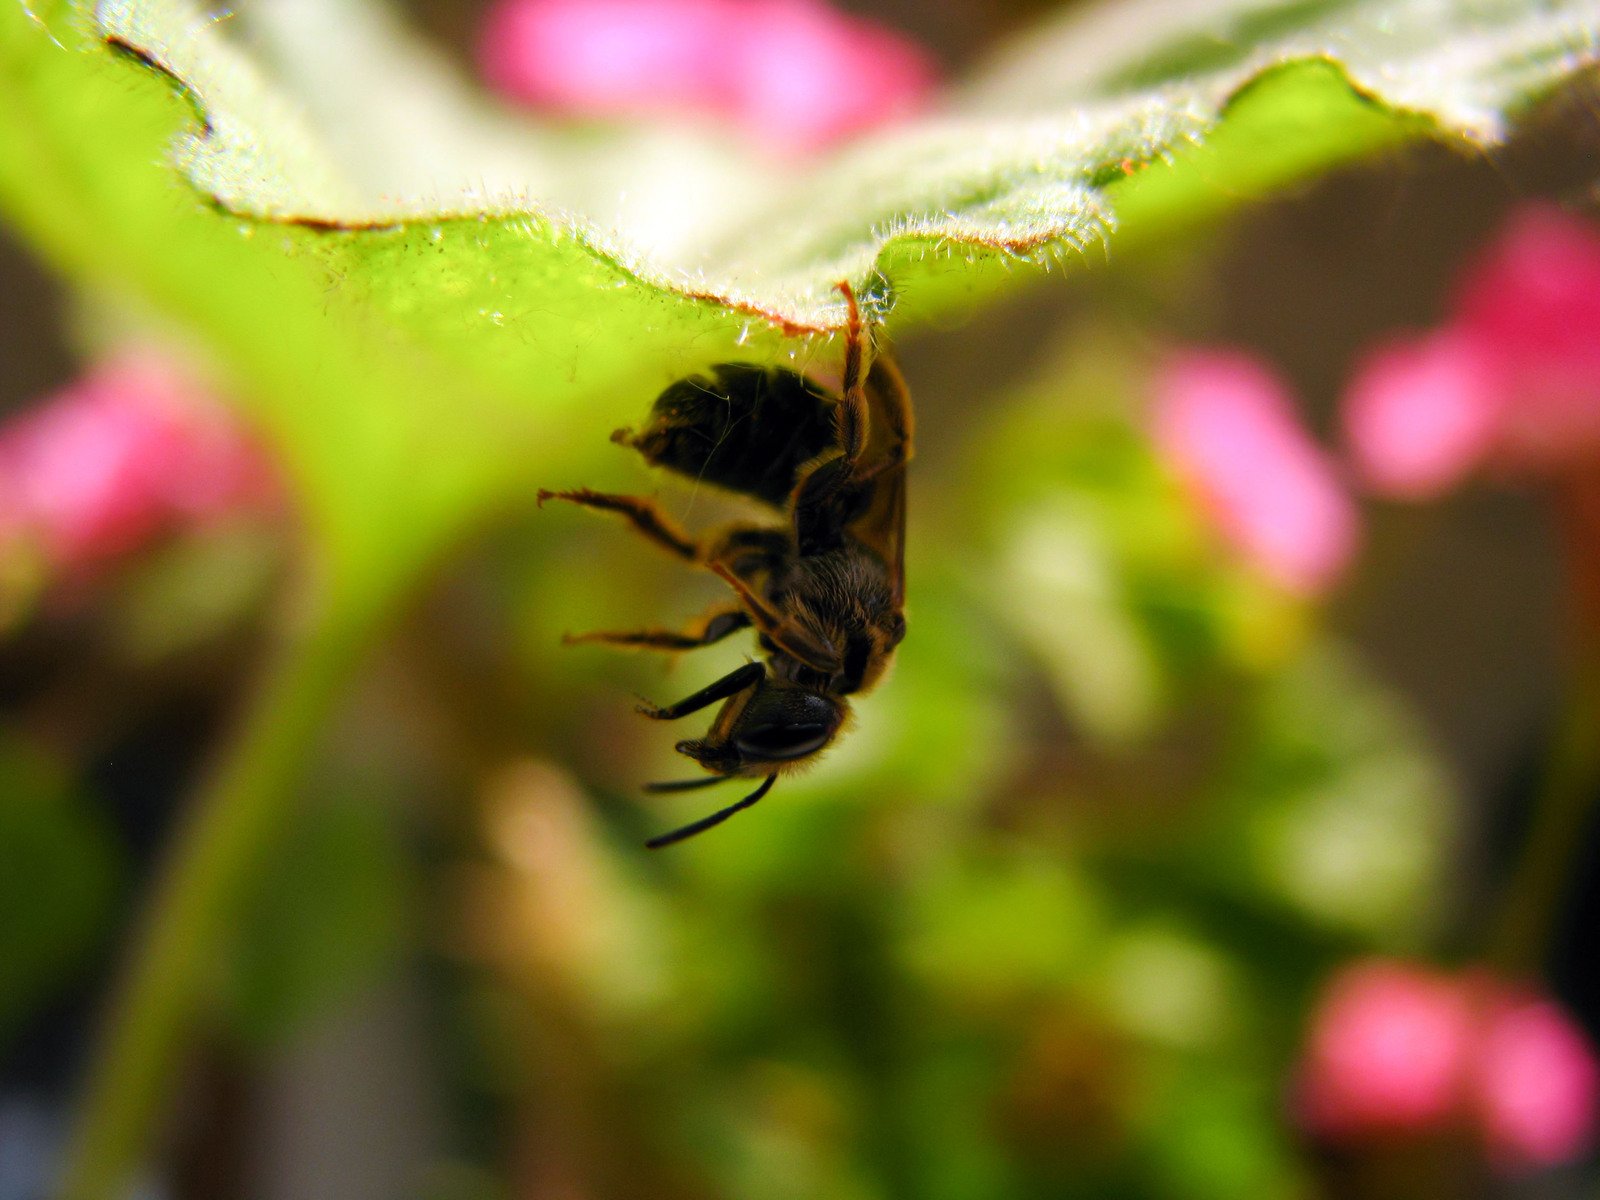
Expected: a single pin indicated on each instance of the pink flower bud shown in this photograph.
(133, 447)
(795, 75)
(1227, 427)
(1536, 1085)
(1388, 1052)
(1532, 306)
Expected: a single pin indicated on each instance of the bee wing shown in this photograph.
(883, 525)
(897, 526)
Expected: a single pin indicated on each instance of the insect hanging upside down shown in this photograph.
(824, 589)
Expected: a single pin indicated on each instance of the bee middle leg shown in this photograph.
(751, 550)
(707, 631)
(643, 513)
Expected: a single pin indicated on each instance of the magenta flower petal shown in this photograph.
(1537, 1084)
(98, 469)
(1422, 414)
(1512, 381)
(80, 477)
(1537, 289)
(809, 76)
(795, 75)
(1533, 304)
(1395, 1049)
(1226, 426)
(1388, 1052)
(611, 57)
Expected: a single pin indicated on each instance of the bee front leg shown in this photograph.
(882, 392)
(729, 685)
(850, 414)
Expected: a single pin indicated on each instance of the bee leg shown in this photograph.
(850, 414)
(730, 684)
(835, 490)
(712, 628)
(883, 390)
(641, 512)
(829, 495)
(751, 549)
(790, 636)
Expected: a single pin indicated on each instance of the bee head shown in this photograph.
(771, 728)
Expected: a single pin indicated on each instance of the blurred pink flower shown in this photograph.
(1537, 1084)
(1397, 1049)
(1227, 427)
(809, 76)
(793, 74)
(1420, 414)
(129, 449)
(1511, 380)
(607, 57)
(1388, 1051)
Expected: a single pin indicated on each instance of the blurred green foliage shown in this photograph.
(324, 919)
(60, 871)
(1000, 944)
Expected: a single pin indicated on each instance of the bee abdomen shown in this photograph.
(749, 429)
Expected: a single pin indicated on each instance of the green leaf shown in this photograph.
(984, 930)
(1016, 163)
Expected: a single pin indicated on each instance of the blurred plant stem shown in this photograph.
(1564, 806)
(232, 821)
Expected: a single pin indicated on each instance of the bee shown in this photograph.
(824, 589)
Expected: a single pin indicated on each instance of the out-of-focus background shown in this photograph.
(1222, 831)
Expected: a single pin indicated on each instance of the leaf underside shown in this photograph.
(428, 301)
(1024, 162)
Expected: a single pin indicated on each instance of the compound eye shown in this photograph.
(778, 742)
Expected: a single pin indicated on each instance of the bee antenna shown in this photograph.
(716, 818)
(686, 785)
